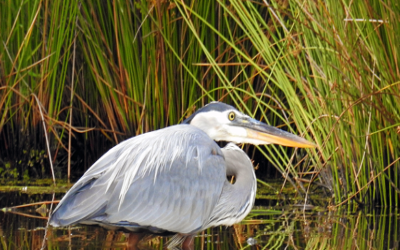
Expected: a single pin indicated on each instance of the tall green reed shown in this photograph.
(321, 67)
(325, 70)
(34, 59)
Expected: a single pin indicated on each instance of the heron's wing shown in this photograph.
(170, 179)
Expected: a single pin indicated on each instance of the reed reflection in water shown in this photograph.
(290, 229)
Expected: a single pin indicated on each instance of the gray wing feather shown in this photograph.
(170, 179)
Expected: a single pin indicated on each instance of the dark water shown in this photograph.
(287, 227)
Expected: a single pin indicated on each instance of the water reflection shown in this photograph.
(286, 228)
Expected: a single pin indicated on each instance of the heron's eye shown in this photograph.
(231, 116)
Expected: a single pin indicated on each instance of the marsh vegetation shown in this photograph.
(83, 76)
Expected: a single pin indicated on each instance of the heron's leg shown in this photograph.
(188, 243)
(176, 241)
(134, 239)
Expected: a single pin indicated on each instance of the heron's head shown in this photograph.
(223, 122)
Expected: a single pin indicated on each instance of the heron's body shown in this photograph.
(173, 179)
(130, 174)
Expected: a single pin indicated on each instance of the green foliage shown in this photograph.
(8, 171)
(325, 69)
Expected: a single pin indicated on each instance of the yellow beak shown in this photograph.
(262, 133)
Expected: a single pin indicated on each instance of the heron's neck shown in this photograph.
(237, 199)
(245, 183)
(244, 178)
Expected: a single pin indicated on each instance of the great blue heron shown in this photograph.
(174, 179)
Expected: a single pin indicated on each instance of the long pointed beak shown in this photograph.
(266, 134)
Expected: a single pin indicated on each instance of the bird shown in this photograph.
(174, 179)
